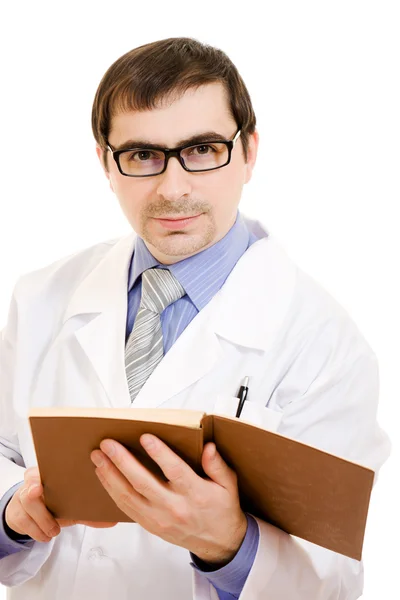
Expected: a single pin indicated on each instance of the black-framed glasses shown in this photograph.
(146, 162)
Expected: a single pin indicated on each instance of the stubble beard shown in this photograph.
(180, 242)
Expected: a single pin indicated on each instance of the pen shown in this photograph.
(242, 396)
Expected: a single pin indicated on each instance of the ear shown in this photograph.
(252, 150)
(100, 156)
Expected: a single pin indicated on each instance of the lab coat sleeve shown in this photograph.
(329, 398)
(16, 568)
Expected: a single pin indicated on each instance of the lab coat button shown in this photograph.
(95, 553)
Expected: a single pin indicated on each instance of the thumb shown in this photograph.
(216, 468)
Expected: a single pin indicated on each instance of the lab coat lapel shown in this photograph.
(256, 297)
(247, 311)
(101, 300)
(193, 355)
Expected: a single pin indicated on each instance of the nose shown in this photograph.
(175, 181)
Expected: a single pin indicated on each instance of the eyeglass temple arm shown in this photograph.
(236, 137)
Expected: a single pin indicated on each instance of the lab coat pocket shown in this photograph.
(252, 412)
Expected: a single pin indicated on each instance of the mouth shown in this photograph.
(177, 223)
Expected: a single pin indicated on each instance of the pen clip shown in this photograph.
(242, 395)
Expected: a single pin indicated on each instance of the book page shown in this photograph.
(172, 416)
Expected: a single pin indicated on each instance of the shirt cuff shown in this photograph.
(232, 577)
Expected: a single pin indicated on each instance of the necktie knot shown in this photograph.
(160, 288)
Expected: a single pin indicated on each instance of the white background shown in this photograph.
(324, 78)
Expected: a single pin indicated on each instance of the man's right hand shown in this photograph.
(26, 513)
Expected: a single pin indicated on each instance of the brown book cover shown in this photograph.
(304, 491)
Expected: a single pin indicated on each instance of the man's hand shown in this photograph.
(201, 515)
(26, 513)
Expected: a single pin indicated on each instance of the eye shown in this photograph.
(142, 155)
(139, 156)
(202, 149)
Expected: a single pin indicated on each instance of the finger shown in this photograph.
(31, 499)
(97, 524)
(23, 524)
(216, 468)
(32, 475)
(124, 474)
(20, 522)
(176, 470)
(122, 492)
(66, 522)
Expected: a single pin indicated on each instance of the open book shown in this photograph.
(302, 490)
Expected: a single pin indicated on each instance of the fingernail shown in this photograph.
(98, 461)
(147, 442)
(54, 531)
(108, 448)
(34, 486)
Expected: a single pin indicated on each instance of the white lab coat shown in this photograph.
(64, 345)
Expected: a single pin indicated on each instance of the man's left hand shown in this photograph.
(201, 515)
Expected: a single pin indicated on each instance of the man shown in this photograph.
(176, 315)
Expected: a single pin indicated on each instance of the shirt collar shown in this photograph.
(213, 264)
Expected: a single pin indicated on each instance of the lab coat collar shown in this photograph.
(104, 287)
(247, 309)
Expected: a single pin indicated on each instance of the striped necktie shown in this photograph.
(144, 348)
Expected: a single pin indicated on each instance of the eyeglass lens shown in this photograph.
(143, 161)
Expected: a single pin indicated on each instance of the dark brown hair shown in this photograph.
(142, 78)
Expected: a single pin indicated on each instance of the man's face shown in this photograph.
(210, 197)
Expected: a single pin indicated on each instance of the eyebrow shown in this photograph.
(207, 136)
